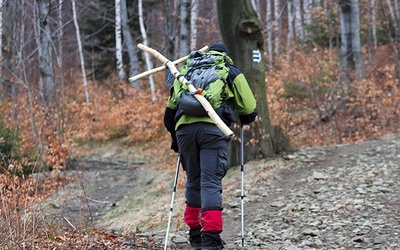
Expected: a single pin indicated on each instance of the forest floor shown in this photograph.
(338, 197)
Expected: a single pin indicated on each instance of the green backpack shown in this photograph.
(208, 73)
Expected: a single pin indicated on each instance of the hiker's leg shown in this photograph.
(190, 162)
(213, 164)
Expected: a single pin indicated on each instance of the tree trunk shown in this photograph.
(194, 13)
(373, 22)
(268, 21)
(277, 26)
(351, 43)
(130, 44)
(47, 88)
(82, 60)
(241, 32)
(290, 24)
(185, 28)
(170, 27)
(393, 18)
(147, 56)
(298, 22)
(118, 40)
(393, 45)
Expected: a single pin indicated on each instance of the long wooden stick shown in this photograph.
(203, 101)
(163, 67)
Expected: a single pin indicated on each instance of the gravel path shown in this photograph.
(341, 197)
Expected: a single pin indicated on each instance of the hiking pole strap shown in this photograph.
(203, 101)
(161, 68)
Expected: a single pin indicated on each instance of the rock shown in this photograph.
(319, 176)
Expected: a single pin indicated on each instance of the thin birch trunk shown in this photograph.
(194, 13)
(276, 26)
(268, 19)
(147, 56)
(130, 44)
(118, 40)
(290, 29)
(60, 58)
(79, 41)
(185, 29)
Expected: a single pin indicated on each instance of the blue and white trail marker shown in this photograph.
(256, 56)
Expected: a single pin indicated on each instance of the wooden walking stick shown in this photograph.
(161, 68)
(203, 101)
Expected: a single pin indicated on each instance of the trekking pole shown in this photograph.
(242, 182)
(172, 200)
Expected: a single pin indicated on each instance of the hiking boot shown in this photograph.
(195, 238)
(211, 241)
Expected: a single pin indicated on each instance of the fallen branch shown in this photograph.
(161, 68)
(203, 101)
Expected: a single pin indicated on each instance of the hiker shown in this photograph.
(203, 149)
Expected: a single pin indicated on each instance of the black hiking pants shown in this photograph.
(204, 149)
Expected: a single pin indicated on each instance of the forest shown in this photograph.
(330, 75)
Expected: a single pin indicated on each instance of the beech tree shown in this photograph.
(241, 31)
(351, 43)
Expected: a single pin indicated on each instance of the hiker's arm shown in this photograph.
(169, 120)
(245, 102)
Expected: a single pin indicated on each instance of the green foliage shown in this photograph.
(9, 144)
(295, 90)
(11, 158)
(323, 30)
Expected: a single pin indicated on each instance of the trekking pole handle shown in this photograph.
(203, 101)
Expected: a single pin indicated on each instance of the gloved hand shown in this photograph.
(246, 119)
(174, 145)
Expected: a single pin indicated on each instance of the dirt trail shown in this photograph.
(340, 197)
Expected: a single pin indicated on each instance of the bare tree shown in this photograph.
(246, 49)
(277, 26)
(268, 20)
(171, 29)
(185, 28)
(194, 13)
(351, 43)
(393, 18)
(82, 60)
(298, 21)
(373, 22)
(130, 45)
(118, 40)
(147, 56)
(47, 89)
